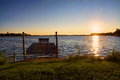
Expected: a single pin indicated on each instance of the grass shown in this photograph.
(3, 58)
(72, 68)
(65, 69)
(114, 56)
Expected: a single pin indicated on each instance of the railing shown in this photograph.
(20, 57)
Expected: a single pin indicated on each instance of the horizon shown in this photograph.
(67, 17)
(51, 34)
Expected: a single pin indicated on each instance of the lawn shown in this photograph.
(63, 69)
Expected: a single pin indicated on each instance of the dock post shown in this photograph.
(14, 57)
(23, 45)
(56, 44)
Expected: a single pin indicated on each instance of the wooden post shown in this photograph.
(14, 57)
(23, 44)
(56, 44)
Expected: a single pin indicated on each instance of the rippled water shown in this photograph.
(98, 45)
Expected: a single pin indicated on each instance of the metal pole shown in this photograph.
(23, 44)
(56, 44)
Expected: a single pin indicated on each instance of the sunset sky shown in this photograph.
(65, 16)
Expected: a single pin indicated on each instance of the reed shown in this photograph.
(3, 58)
(113, 56)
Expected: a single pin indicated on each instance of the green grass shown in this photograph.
(74, 67)
(3, 58)
(66, 69)
(114, 56)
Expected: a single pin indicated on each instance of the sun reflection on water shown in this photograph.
(95, 45)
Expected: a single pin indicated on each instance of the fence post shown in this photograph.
(14, 57)
(23, 44)
(56, 44)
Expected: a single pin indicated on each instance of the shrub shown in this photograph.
(79, 48)
(78, 57)
(3, 57)
(114, 56)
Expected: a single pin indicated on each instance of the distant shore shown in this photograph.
(115, 33)
(13, 34)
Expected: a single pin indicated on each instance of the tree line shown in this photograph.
(115, 33)
(13, 34)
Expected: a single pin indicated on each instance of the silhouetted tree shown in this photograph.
(117, 32)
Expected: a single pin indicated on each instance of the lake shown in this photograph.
(68, 45)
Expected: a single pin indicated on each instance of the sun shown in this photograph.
(96, 28)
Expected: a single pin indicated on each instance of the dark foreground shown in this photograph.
(66, 69)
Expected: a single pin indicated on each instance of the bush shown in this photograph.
(114, 56)
(76, 57)
(3, 58)
(90, 58)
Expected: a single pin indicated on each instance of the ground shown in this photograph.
(61, 69)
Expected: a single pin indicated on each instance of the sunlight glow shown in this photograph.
(95, 45)
(96, 29)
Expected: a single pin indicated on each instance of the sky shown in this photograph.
(70, 17)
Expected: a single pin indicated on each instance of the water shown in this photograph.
(68, 45)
